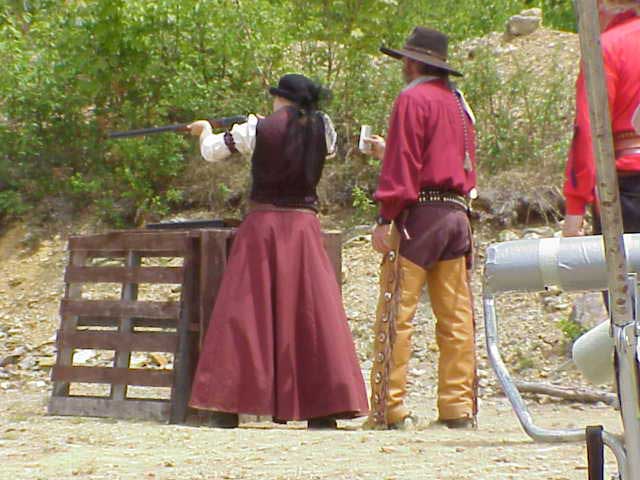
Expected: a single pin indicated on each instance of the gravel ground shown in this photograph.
(34, 446)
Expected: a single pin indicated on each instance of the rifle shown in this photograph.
(216, 123)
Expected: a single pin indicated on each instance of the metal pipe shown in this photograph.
(537, 433)
(616, 445)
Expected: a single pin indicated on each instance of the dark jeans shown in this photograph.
(630, 205)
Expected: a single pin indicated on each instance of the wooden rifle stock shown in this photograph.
(216, 123)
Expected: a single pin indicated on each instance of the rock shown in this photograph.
(507, 235)
(14, 357)
(46, 362)
(81, 357)
(525, 23)
(27, 363)
(15, 282)
(588, 310)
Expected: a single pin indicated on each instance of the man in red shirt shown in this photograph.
(620, 39)
(428, 170)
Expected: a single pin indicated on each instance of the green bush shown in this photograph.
(75, 70)
(523, 116)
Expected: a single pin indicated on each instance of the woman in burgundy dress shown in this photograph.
(278, 342)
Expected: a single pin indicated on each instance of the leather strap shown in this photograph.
(429, 195)
(626, 152)
(626, 143)
(230, 142)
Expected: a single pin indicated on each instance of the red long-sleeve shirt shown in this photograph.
(425, 147)
(621, 52)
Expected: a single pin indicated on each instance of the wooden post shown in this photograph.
(122, 357)
(620, 288)
(607, 178)
(182, 364)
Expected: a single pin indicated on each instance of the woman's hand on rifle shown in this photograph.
(196, 128)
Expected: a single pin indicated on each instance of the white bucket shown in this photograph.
(593, 354)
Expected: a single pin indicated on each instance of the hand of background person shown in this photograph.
(196, 128)
(377, 146)
(573, 226)
(380, 238)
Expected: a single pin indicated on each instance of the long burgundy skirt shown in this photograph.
(278, 343)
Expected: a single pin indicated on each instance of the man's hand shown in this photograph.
(377, 146)
(196, 128)
(573, 226)
(380, 238)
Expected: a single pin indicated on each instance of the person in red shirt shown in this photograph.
(620, 23)
(428, 172)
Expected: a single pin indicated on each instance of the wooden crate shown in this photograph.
(126, 325)
(122, 325)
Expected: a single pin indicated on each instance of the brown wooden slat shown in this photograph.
(184, 361)
(108, 253)
(213, 261)
(333, 245)
(68, 323)
(147, 241)
(95, 321)
(156, 410)
(123, 275)
(114, 376)
(131, 342)
(120, 308)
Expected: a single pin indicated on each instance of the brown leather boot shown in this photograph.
(467, 423)
(322, 423)
(223, 420)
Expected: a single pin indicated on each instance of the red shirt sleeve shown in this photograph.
(580, 180)
(399, 182)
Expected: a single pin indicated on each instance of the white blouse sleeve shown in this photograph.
(213, 147)
(330, 135)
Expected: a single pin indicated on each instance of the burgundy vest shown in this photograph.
(288, 158)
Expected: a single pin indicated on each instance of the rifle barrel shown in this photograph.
(217, 123)
(148, 131)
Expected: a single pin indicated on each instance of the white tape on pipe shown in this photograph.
(548, 252)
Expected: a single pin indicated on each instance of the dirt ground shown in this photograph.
(36, 446)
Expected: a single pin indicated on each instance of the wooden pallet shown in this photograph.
(126, 325)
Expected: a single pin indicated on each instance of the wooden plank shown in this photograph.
(120, 308)
(607, 177)
(131, 241)
(150, 410)
(123, 275)
(115, 376)
(621, 287)
(184, 358)
(68, 323)
(123, 356)
(213, 260)
(95, 321)
(333, 245)
(130, 341)
(108, 253)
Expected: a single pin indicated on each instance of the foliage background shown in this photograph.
(73, 70)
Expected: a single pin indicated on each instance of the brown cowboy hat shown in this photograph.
(426, 46)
